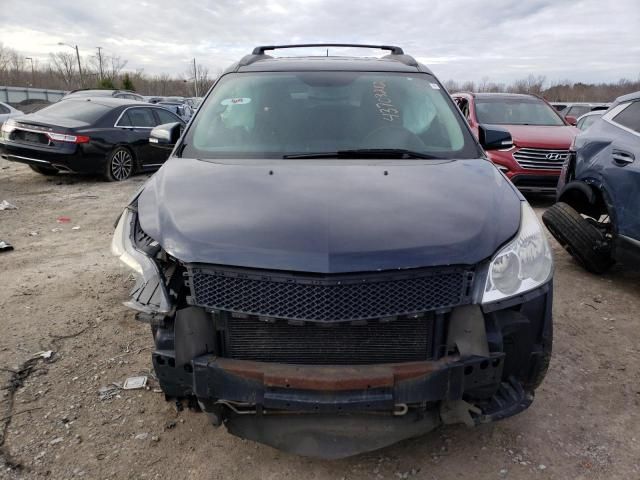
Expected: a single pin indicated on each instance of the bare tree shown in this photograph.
(65, 66)
(114, 67)
(5, 53)
(531, 84)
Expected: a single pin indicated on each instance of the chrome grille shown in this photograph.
(541, 158)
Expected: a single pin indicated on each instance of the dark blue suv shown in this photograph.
(329, 262)
(597, 217)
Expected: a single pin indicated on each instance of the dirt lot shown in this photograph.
(61, 290)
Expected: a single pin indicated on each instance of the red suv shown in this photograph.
(541, 137)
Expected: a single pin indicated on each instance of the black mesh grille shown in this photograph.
(403, 340)
(329, 298)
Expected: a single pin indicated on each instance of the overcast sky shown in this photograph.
(580, 40)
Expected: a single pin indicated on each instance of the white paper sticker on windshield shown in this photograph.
(435, 86)
(235, 101)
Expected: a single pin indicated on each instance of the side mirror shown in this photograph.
(571, 120)
(166, 135)
(492, 138)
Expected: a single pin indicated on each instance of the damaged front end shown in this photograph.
(331, 365)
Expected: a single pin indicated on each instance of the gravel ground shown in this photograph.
(61, 290)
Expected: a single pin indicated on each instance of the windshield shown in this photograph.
(82, 110)
(516, 111)
(282, 114)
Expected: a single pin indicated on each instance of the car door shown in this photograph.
(139, 121)
(621, 173)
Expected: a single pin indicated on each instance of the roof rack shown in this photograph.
(259, 52)
(261, 49)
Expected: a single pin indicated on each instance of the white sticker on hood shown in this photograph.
(235, 101)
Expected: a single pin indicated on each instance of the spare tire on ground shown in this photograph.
(581, 238)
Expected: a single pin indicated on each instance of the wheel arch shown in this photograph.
(584, 198)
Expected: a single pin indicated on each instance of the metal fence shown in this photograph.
(26, 99)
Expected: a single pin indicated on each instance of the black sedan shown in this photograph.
(87, 135)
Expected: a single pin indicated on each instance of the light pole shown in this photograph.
(33, 75)
(78, 56)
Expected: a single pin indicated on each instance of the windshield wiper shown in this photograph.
(365, 153)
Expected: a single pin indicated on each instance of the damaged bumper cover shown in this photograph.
(339, 411)
(334, 411)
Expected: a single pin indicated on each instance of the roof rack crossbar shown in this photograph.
(263, 48)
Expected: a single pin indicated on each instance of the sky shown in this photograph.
(494, 40)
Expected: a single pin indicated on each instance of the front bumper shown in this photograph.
(490, 363)
(526, 180)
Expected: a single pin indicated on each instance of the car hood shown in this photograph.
(329, 217)
(538, 136)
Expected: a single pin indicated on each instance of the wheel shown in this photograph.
(120, 165)
(48, 171)
(580, 237)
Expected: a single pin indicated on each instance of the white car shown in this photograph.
(7, 112)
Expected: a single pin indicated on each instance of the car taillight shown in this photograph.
(61, 137)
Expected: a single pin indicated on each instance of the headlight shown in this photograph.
(150, 293)
(8, 127)
(523, 264)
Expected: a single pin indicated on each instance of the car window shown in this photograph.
(274, 114)
(463, 103)
(4, 109)
(124, 120)
(503, 110)
(78, 109)
(577, 110)
(630, 117)
(141, 117)
(166, 116)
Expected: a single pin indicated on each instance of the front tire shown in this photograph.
(120, 165)
(578, 236)
(48, 171)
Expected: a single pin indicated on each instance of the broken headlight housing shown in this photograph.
(149, 294)
(523, 264)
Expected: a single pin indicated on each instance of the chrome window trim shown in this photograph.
(115, 125)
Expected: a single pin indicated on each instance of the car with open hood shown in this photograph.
(329, 262)
(541, 136)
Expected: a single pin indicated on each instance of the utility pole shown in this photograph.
(78, 56)
(100, 63)
(195, 77)
(79, 67)
(33, 75)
